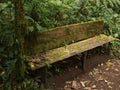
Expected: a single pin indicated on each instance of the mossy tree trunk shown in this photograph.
(20, 24)
(21, 27)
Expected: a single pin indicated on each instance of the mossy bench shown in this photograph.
(47, 47)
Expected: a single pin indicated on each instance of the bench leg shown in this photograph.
(84, 61)
(44, 75)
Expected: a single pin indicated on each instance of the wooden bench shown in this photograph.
(47, 47)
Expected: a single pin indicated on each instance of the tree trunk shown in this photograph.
(21, 27)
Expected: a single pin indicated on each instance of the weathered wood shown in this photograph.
(62, 53)
(42, 41)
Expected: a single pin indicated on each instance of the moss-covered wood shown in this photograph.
(38, 42)
(61, 53)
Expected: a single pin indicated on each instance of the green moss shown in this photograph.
(67, 26)
(54, 38)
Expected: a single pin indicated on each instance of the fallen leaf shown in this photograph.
(99, 65)
(102, 64)
(90, 73)
(94, 86)
(116, 70)
(100, 78)
(74, 84)
(68, 82)
(109, 83)
(87, 88)
(109, 86)
(106, 81)
(67, 87)
(107, 69)
(82, 83)
(109, 63)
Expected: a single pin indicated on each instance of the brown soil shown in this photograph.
(105, 76)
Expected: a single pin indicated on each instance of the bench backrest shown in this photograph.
(42, 41)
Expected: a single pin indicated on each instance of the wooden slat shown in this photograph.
(62, 53)
(39, 42)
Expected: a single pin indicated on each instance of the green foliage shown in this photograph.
(51, 13)
(30, 84)
(6, 43)
(45, 14)
(6, 40)
(12, 68)
(48, 64)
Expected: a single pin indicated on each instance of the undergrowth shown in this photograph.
(45, 14)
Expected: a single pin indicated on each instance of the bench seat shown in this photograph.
(67, 51)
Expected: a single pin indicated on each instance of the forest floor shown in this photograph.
(105, 76)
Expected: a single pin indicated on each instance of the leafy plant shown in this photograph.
(12, 64)
(30, 84)
(45, 14)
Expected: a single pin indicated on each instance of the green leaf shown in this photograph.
(31, 28)
(2, 49)
(1, 67)
(116, 35)
(98, 2)
(3, 6)
(38, 26)
(111, 3)
(29, 18)
(115, 15)
(48, 64)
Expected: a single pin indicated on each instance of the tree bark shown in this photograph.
(21, 27)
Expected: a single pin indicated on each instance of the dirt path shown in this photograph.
(105, 76)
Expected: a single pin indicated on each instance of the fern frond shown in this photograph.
(110, 3)
(98, 2)
(115, 3)
(118, 1)
(105, 3)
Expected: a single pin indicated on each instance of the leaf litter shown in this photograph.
(104, 77)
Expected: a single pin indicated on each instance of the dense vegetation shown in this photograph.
(45, 14)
